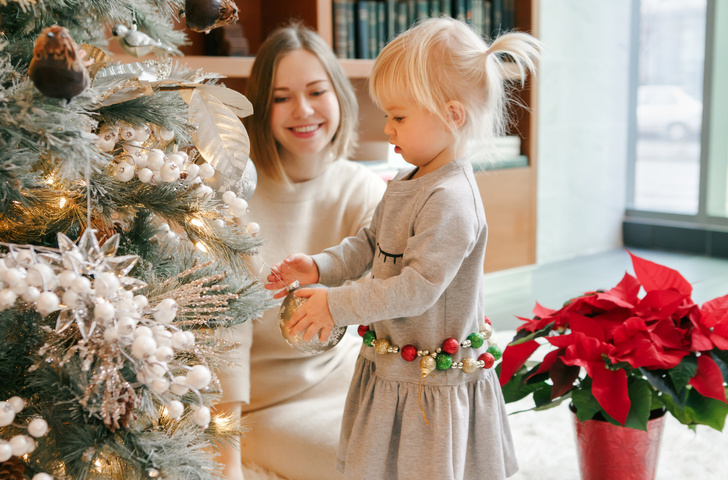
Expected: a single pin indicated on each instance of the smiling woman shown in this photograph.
(302, 132)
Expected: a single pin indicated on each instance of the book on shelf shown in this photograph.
(341, 28)
(363, 27)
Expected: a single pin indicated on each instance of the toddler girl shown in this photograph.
(424, 402)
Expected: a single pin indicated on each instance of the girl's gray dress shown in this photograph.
(425, 248)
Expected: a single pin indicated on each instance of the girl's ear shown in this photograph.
(455, 113)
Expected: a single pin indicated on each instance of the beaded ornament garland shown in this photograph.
(441, 357)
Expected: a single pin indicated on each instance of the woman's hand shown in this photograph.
(313, 315)
(298, 267)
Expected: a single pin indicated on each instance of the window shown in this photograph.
(680, 164)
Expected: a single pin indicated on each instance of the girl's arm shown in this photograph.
(446, 231)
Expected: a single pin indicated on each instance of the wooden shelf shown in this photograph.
(239, 67)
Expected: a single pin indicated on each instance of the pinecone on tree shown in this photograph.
(12, 469)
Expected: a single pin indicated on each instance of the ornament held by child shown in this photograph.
(314, 346)
(57, 67)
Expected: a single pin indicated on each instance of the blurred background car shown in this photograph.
(667, 111)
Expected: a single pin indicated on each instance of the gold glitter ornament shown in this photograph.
(314, 346)
(427, 365)
(469, 365)
(381, 346)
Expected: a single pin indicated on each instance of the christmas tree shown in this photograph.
(123, 240)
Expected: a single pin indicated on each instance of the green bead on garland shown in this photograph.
(496, 351)
(369, 338)
(443, 361)
(476, 340)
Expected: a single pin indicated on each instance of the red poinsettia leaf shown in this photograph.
(719, 335)
(548, 361)
(708, 380)
(659, 304)
(587, 326)
(610, 390)
(625, 294)
(541, 311)
(654, 276)
(563, 377)
(514, 356)
(667, 335)
(720, 303)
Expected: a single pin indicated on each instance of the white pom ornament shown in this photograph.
(143, 346)
(47, 302)
(179, 386)
(38, 427)
(206, 171)
(228, 197)
(166, 311)
(7, 298)
(16, 403)
(155, 159)
(31, 294)
(238, 207)
(42, 476)
(124, 171)
(145, 175)
(7, 414)
(6, 451)
(202, 416)
(169, 172)
(165, 134)
(42, 276)
(192, 172)
(175, 409)
(199, 377)
(252, 228)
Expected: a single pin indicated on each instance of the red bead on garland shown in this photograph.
(488, 359)
(409, 352)
(362, 330)
(450, 345)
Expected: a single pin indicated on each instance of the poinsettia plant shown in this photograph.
(644, 345)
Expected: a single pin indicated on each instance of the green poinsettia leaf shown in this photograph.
(685, 370)
(721, 358)
(523, 336)
(584, 402)
(663, 383)
(699, 410)
(542, 397)
(518, 387)
(640, 395)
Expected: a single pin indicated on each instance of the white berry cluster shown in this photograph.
(149, 164)
(21, 444)
(238, 207)
(91, 290)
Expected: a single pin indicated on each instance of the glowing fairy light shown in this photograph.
(197, 222)
(62, 202)
(201, 247)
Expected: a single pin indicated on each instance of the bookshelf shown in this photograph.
(509, 194)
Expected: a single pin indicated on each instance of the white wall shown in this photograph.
(582, 116)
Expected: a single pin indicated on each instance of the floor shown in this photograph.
(514, 292)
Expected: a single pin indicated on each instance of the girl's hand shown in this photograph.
(314, 314)
(299, 267)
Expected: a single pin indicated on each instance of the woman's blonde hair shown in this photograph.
(282, 41)
(441, 60)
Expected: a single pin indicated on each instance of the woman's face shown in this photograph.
(305, 114)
